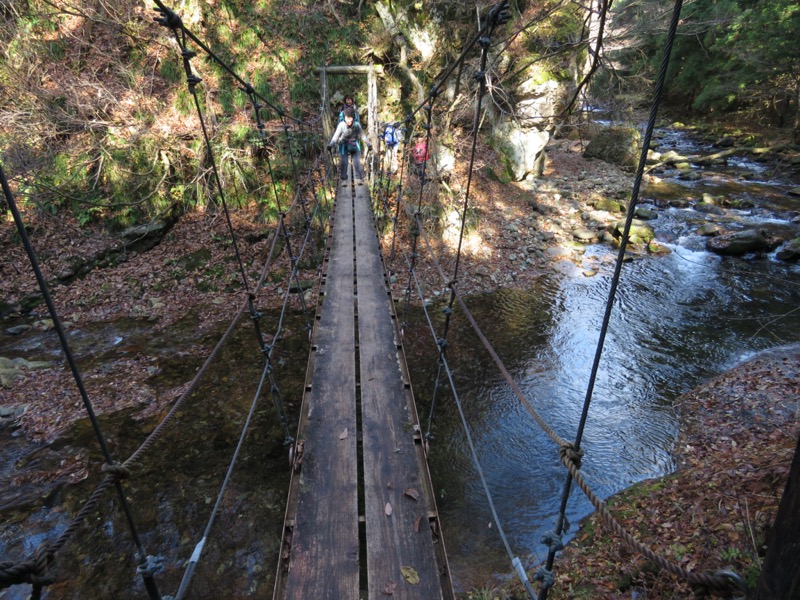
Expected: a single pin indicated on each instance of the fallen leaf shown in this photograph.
(412, 493)
(343, 434)
(411, 575)
(388, 510)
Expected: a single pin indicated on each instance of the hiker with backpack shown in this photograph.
(391, 136)
(420, 155)
(348, 101)
(347, 136)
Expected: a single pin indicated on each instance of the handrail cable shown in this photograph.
(37, 575)
(560, 525)
(275, 392)
(399, 201)
(20, 573)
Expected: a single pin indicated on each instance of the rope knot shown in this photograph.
(116, 471)
(546, 576)
(722, 583)
(552, 540)
(568, 452)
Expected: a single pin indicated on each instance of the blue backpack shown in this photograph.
(390, 135)
(355, 117)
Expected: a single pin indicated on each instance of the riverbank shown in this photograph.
(736, 444)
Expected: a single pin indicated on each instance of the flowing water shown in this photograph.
(677, 320)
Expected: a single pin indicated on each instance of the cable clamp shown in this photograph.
(193, 80)
(442, 343)
(447, 311)
(480, 76)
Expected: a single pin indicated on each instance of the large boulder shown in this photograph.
(616, 145)
(522, 149)
(738, 243)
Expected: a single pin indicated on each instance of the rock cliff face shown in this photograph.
(522, 103)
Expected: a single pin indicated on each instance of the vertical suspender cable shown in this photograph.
(657, 92)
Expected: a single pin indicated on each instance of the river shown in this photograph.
(678, 319)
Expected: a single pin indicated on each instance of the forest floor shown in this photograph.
(738, 431)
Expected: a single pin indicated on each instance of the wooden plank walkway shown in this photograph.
(361, 519)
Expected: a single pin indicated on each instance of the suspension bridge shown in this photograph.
(361, 520)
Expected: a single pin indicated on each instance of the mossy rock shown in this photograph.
(616, 145)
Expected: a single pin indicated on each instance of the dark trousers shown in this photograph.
(343, 163)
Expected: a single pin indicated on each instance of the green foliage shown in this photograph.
(729, 54)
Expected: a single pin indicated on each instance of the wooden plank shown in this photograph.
(397, 500)
(324, 558)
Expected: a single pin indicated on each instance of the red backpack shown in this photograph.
(420, 152)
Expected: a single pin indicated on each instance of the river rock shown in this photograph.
(794, 191)
(9, 376)
(709, 230)
(671, 157)
(640, 231)
(738, 243)
(646, 214)
(522, 149)
(17, 329)
(790, 251)
(585, 236)
(739, 203)
(689, 175)
(482, 271)
(608, 205)
(708, 209)
(726, 142)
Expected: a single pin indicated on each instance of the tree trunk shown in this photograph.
(780, 576)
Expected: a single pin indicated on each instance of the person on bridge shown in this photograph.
(348, 101)
(347, 135)
(391, 137)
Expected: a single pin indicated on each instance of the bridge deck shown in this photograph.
(361, 519)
